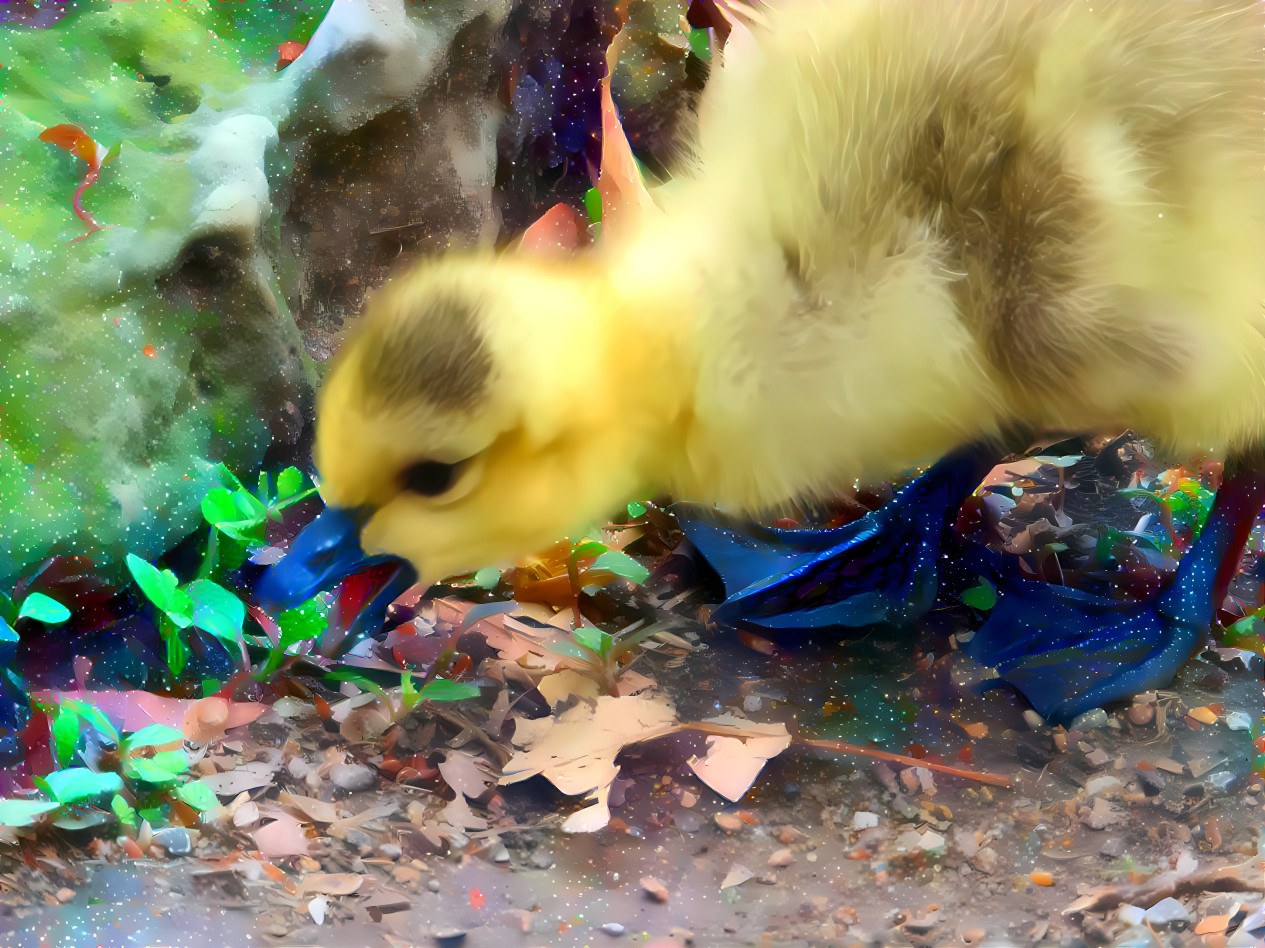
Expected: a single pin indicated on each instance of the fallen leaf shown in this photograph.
(737, 875)
(731, 764)
(576, 750)
(284, 836)
(331, 883)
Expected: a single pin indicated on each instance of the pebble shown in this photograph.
(1221, 780)
(1091, 719)
(65, 895)
(359, 839)
(1141, 714)
(612, 928)
(728, 822)
(986, 860)
(175, 839)
(863, 819)
(781, 858)
(353, 777)
(1152, 782)
(449, 937)
(390, 851)
(1166, 912)
(654, 888)
(540, 859)
(1238, 721)
(433, 885)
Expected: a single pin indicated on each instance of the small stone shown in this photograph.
(390, 851)
(432, 885)
(728, 822)
(1130, 914)
(1166, 912)
(1103, 783)
(1222, 780)
(500, 854)
(1088, 721)
(863, 819)
(1152, 782)
(449, 937)
(1238, 721)
(540, 858)
(354, 777)
(65, 895)
(1097, 758)
(1032, 719)
(986, 860)
(1141, 714)
(781, 858)
(612, 928)
(175, 839)
(359, 839)
(1112, 847)
(654, 888)
(973, 936)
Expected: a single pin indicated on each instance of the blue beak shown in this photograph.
(325, 553)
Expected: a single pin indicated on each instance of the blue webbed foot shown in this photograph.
(883, 568)
(1069, 651)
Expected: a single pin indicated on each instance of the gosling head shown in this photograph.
(480, 411)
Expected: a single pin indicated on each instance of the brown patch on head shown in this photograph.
(430, 352)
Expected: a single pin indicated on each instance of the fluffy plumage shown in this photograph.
(903, 225)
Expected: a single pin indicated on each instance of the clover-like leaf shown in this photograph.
(81, 785)
(44, 609)
(216, 610)
(23, 814)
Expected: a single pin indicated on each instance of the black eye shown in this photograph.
(431, 478)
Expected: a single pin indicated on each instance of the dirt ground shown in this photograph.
(1142, 828)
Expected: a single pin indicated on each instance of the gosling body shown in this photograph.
(900, 227)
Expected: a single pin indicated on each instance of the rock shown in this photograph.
(1090, 720)
(353, 777)
(175, 839)
(986, 860)
(655, 889)
(1166, 912)
(612, 928)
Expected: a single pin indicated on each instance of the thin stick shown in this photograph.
(843, 747)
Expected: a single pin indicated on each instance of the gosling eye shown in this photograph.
(431, 478)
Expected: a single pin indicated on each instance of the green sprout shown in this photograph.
(201, 604)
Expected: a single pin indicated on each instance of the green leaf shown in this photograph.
(7, 634)
(65, 733)
(177, 654)
(43, 609)
(441, 689)
(197, 794)
(216, 610)
(636, 510)
(489, 577)
(81, 785)
(289, 483)
(227, 477)
(408, 694)
(700, 44)
(93, 716)
(218, 506)
(162, 589)
(571, 649)
(622, 565)
(23, 814)
(162, 769)
(982, 596)
(593, 204)
(595, 640)
(153, 735)
(123, 811)
(303, 623)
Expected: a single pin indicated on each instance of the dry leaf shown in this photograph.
(284, 836)
(331, 883)
(310, 808)
(731, 764)
(737, 875)
(250, 776)
(576, 750)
